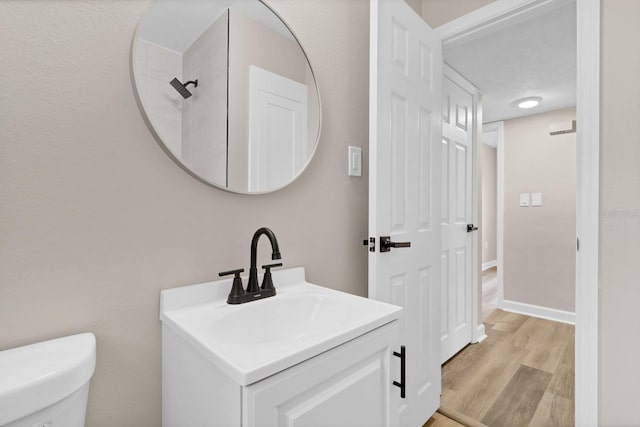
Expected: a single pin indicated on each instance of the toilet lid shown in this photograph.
(38, 375)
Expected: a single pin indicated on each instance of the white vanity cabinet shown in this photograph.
(309, 356)
(349, 385)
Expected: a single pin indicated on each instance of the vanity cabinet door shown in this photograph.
(349, 385)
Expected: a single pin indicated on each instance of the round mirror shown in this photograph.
(228, 91)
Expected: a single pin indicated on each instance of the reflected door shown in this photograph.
(277, 129)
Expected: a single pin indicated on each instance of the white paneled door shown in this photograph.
(456, 212)
(404, 193)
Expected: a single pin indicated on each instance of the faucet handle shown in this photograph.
(267, 282)
(227, 273)
(237, 290)
(269, 266)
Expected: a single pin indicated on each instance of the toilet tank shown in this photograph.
(46, 384)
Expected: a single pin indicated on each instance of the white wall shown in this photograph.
(540, 242)
(95, 219)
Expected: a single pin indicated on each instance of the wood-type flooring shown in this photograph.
(522, 374)
(439, 420)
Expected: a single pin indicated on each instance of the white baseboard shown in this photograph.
(538, 311)
(480, 334)
(488, 265)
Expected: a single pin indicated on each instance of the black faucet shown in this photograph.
(252, 286)
(254, 292)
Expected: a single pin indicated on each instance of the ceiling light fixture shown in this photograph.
(529, 102)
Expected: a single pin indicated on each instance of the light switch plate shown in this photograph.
(524, 200)
(355, 161)
(536, 199)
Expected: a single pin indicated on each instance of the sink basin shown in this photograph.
(254, 340)
(286, 318)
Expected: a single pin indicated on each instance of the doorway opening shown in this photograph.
(492, 18)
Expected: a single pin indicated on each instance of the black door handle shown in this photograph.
(471, 228)
(403, 372)
(386, 244)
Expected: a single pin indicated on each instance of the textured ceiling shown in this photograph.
(536, 57)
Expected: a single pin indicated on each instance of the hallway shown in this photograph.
(489, 292)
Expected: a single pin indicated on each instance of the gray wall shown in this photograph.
(204, 115)
(489, 194)
(539, 242)
(438, 12)
(415, 5)
(620, 215)
(95, 219)
(252, 43)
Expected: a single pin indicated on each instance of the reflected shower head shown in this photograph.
(182, 87)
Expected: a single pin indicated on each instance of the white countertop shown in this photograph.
(252, 341)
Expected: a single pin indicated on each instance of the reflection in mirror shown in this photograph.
(228, 91)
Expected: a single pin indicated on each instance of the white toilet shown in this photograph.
(47, 384)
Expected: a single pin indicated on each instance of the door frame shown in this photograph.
(491, 17)
(477, 327)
